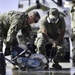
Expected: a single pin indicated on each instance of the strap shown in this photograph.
(24, 15)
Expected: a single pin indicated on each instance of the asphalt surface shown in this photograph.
(51, 72)
(68, 70)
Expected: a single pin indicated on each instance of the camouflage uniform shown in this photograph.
(73, 31)
(53, 30)
(12, 22)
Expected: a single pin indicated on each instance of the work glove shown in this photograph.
(7, 49)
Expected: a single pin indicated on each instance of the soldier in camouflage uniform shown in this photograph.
(51, 31)
(11, 22)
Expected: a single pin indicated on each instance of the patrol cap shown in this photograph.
(53, 12)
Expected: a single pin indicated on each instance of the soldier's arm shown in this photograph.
(62, 30)
(61, 36)
(26, 31)
(45, 35)
(44, 30)
(13, 29)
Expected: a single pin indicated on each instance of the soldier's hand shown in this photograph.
(54, 44)
(50, 41)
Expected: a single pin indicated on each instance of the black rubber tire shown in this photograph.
(2, 64)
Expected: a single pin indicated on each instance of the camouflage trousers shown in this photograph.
(40, 42)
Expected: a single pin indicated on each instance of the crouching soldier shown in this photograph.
(12, 22)
(52, 29)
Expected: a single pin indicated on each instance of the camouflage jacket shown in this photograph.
(53, 29)
(12, 22)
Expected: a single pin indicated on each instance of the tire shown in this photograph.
(2, 64)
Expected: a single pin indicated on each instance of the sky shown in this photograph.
(7, 5)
